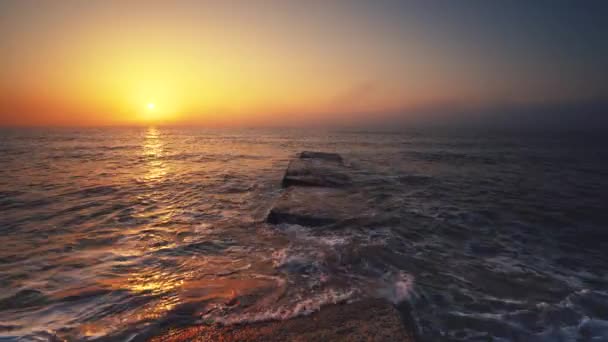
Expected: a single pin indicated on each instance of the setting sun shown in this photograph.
(282, 170)
(154, 113)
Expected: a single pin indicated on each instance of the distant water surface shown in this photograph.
(113, 232)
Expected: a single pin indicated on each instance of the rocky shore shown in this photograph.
(368, 320)
(318, 193)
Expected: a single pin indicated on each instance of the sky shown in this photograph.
(274, 63)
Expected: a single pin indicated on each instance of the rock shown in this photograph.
(317, 194)
(367, 320)
(316, 172)
(317, 169)
(312, 206)
(321, 155)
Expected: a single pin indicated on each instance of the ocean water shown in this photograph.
(111, 233)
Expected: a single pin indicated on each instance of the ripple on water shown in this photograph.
(109, 232)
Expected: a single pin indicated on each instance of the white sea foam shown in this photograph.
(286, 256)
(304, 234)
(300, 308)
(398, 289)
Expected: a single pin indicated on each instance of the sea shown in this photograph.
(480, 235)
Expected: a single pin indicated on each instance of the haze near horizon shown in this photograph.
(261, 63)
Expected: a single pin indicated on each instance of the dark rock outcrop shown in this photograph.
(318, 192)
(317, 206)
(321, 156)
(317, 169)
(368, 320)
(310, 172)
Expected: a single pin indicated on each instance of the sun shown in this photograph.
(154, 112)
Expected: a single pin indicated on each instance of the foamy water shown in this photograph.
(111, 232)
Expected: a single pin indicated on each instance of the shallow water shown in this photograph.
(112, 232)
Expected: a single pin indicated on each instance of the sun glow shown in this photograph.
(153, 113)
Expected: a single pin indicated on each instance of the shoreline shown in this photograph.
(366, 320)
(318, 192)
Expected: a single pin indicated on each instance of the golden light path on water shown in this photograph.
(153, 151)
(202, 281)
(169, 221)
(147, 281)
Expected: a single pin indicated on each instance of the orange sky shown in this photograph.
(244, 63)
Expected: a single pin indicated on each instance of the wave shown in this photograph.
(300, 308)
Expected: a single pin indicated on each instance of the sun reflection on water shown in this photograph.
(154, 284)
(153, 152)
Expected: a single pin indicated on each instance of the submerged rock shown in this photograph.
(314, 206)
(315, 172)
(319, 192)
(368, 320)
(321, 155)
(317, 169)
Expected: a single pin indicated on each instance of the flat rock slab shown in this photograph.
(334, 157)
(314, 206)
(368, 320)
(316, 172)
(317, 169)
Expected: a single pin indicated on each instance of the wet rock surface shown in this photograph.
(318, 195)
(317, 192)
(316, 206)
(321, 156)
(312, 172)
(368, 320)
(317, 169)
